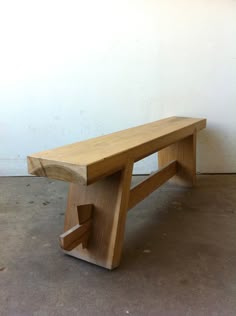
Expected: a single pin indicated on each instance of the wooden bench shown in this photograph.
(100, 172)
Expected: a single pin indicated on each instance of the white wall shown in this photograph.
(70, 70)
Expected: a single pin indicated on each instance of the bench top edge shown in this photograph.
(78, 157)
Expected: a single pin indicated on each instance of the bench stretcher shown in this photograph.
(99, 171)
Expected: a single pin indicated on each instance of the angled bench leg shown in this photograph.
(109, 197)
(184, 152)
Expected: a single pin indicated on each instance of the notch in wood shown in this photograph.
(78, 234)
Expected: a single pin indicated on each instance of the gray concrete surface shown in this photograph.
(179, 254)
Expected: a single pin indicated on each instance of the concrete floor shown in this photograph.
(179, 254)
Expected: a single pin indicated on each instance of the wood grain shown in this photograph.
(110, 198)
(75, 236)
(154, 181)
(184, 151)
(88, 161)
(84, 213)
(100, 172)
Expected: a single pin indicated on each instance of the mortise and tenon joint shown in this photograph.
(100, 170)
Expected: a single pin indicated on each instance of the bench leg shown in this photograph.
(109, 197)
(184, 152)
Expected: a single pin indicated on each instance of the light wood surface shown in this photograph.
(154, 181)
(110, 198)
(75, 236)
(88, 161)
(80, 233)
(184, 151)
(100, 172)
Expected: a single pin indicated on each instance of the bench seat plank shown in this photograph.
(101, 172)
(88, 161)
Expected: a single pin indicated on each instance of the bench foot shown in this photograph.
(109, 197)
(184, 151)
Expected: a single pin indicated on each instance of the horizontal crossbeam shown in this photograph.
(154, 181)
(79, 233)
(74, 236)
